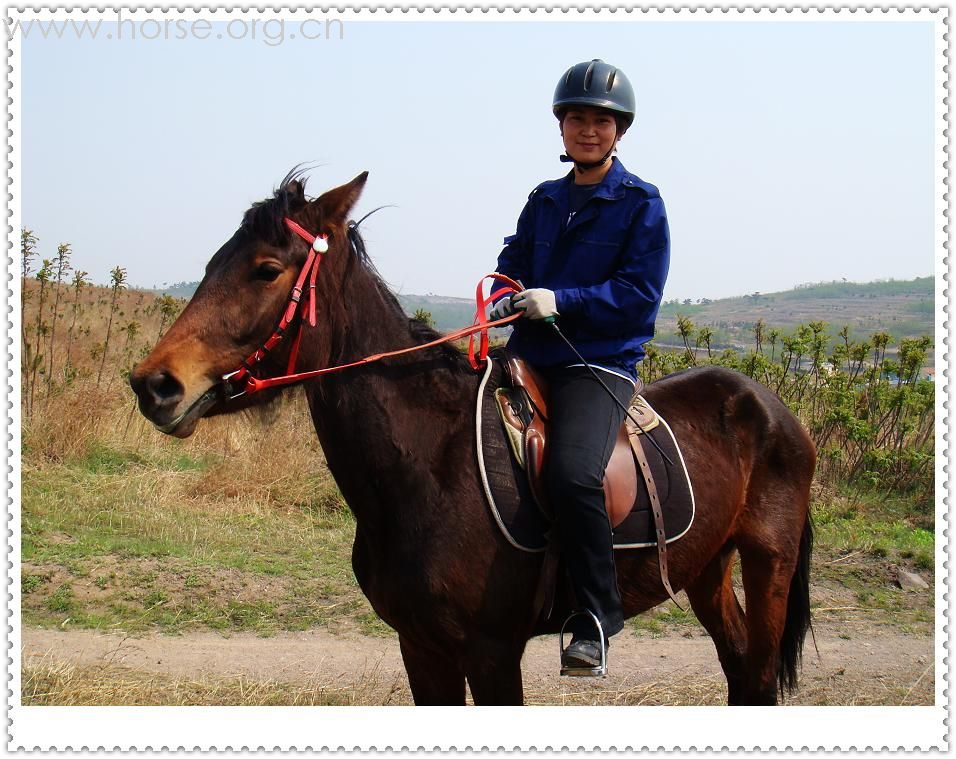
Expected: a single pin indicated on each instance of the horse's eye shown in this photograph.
(268, 272)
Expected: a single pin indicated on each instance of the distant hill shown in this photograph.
(183, 290)
(447, 313)
(904, 308)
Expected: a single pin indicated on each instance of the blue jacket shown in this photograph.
(607, 268)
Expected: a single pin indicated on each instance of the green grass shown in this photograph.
(115, 540)
(663, 620)
(879, 525)
(30, 582)
(61, 600)
(140, 541)
(102, 459)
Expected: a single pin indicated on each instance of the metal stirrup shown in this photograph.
(601, 669)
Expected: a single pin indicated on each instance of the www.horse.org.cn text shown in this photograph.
(272, 31)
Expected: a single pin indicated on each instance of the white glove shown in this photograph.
(537, 303)
(503, 308)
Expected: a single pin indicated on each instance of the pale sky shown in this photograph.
(785, 152)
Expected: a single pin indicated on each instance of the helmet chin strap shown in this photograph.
(582, 166)
(587, 166)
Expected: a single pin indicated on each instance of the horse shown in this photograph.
(399, 440)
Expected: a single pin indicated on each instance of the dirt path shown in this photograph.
(875, 667)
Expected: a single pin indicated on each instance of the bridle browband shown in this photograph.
(242, 381)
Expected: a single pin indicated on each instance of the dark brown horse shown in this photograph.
(399, 440)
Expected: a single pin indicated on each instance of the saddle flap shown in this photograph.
(515, 413)
(620, 480)
(524, 376)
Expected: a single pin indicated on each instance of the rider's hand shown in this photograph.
(502, 309)
(537, 303)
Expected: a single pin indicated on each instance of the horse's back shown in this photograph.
(737, 413)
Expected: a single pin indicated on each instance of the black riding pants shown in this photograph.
(584, 422)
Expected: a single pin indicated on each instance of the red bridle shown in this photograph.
(318, 245)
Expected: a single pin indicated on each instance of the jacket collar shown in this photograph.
(611, 187)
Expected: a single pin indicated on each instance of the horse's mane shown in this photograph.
(265, 219)
(419, 330)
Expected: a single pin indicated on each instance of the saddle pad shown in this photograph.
(515, 510)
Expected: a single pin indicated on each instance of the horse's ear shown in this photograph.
(295, 189)
(336, 204)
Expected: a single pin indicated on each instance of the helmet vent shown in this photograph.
(588, 76)
(610, 79)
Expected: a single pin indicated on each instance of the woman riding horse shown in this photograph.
(399, 439)
(592, 248)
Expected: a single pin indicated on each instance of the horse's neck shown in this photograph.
(383, 426)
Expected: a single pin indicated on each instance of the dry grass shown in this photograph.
(57, 683)
(48, 683)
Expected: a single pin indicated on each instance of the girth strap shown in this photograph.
(633, 437)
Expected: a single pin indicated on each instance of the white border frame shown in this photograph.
(477, 728)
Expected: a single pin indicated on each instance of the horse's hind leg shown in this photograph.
(767, 575)
(435, 679)
(714, 602)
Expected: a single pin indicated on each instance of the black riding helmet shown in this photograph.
(597, 84)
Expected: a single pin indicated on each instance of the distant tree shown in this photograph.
(168, 308)
(758, 328)
(685, 328)
(704, 335)
(131, 329)
(879, 342)
(772, 337)
(61, 269)
(78, 283)
(117, 283)
(425, 317)
(43, 277)
(28, 245)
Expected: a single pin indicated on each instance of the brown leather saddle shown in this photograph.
(523, 408)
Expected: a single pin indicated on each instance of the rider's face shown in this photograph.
(589, 133)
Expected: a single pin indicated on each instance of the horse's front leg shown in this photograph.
(494, 672)
(435, 678)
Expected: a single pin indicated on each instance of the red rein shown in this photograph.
(242, 381)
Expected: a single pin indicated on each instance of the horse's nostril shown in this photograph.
(164, 388)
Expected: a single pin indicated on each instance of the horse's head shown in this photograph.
(237, 306)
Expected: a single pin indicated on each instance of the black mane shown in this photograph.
(265, 220)
(420, 331)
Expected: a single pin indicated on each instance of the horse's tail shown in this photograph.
(798, 615)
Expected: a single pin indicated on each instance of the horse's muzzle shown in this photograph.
(159, 393)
